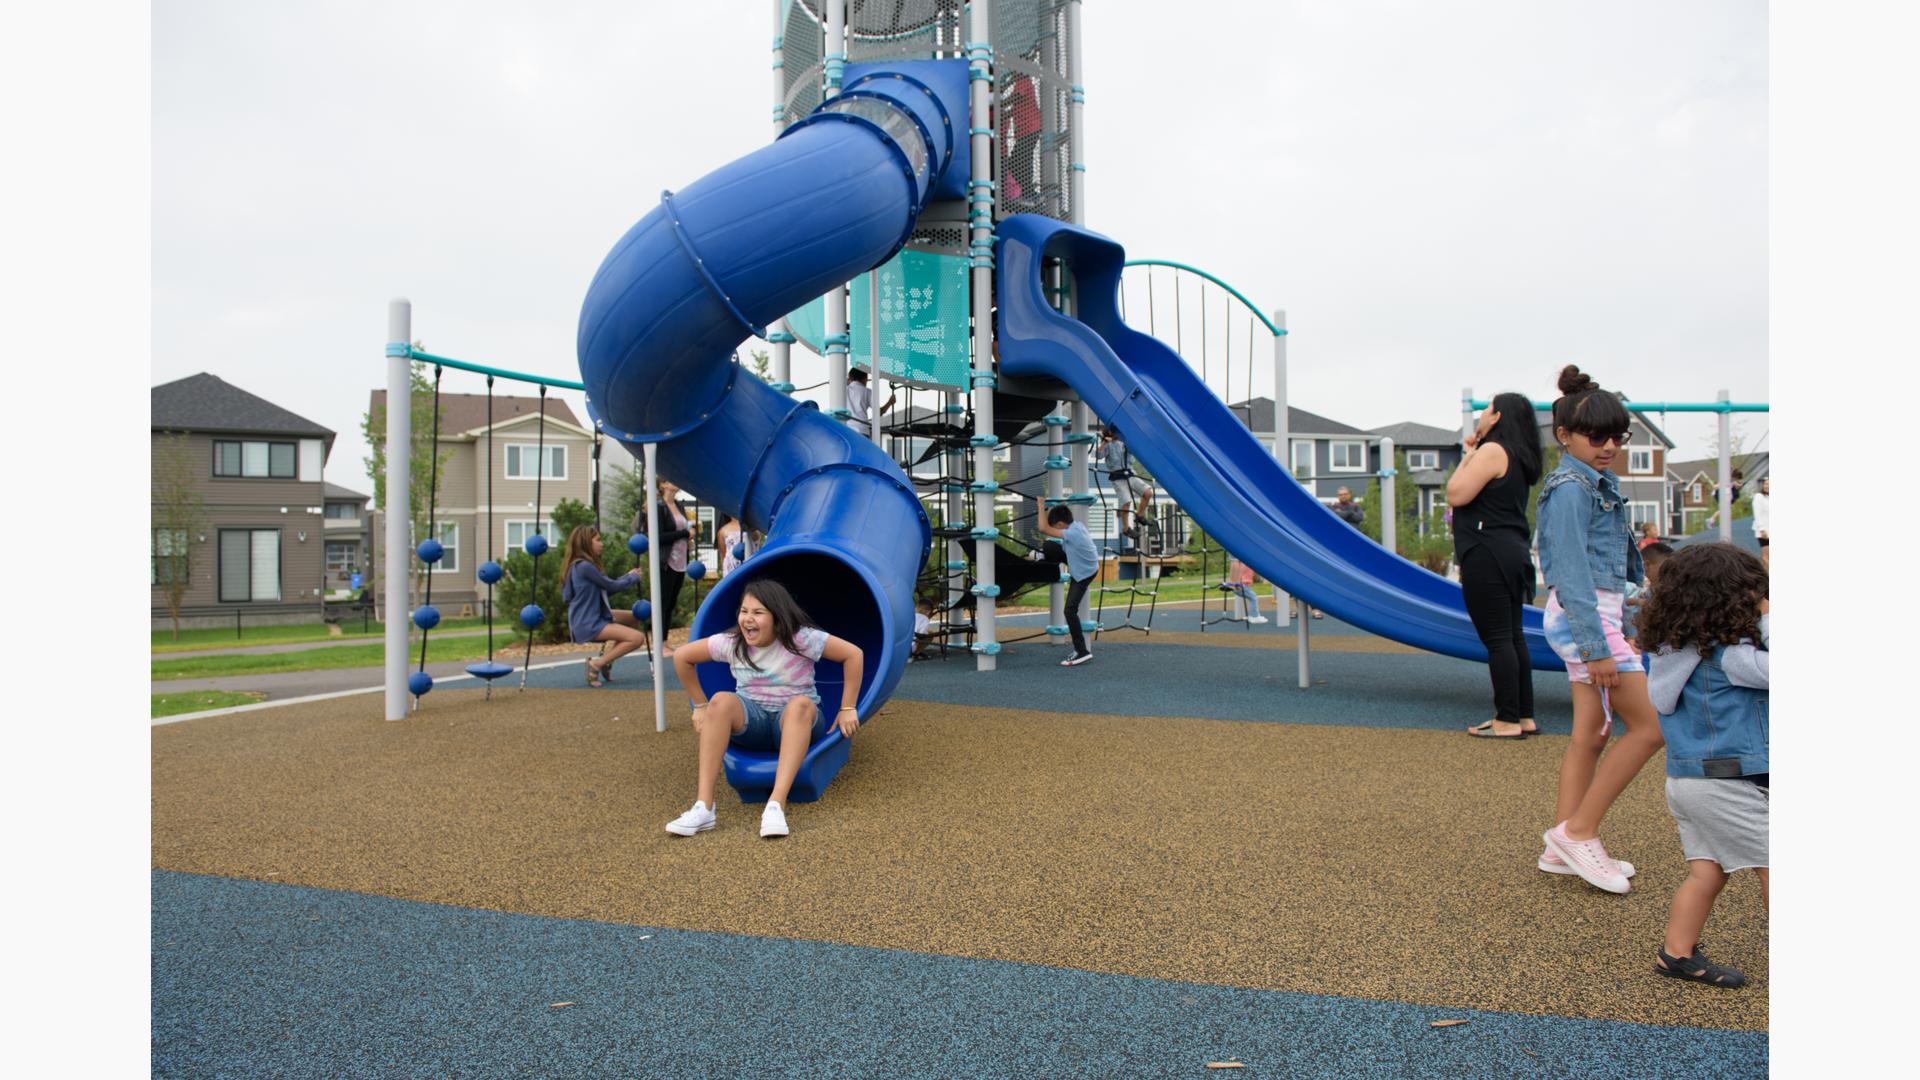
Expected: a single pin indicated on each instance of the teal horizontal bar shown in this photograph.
(1237, 294)
(1661, 406)
(446, 361)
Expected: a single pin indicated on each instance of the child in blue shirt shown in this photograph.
(1083, 565)
(1710, 683)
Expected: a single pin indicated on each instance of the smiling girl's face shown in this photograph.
(755, 621)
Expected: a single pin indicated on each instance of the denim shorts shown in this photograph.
(763, 725)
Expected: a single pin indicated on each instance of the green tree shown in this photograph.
(179, 512)
(420, 460)
(761, 365)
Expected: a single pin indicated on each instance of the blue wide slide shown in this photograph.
(835, 195)
(1198, 450)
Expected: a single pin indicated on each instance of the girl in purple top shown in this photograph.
(584, 588)
(772, 649)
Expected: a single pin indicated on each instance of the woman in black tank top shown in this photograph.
(1488, 494)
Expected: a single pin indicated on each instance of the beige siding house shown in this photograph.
(257, 553)
(474, 481)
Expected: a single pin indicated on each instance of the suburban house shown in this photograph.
(1431, 453)
(1692, 484)
(1325, 455)
(563, 469)
(348, 543)
(256, 551)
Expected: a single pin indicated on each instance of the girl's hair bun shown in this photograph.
(1573, 381)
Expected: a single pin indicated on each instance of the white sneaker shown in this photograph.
(1554, 864)
(1259, 620)
(1587, 858)
(1077, 659)
(697, 820)
(773, 821)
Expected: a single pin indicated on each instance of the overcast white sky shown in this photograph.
(1440, 195)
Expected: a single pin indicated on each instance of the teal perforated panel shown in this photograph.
(924, 311)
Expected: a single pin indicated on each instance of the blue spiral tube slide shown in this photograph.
(836, 195)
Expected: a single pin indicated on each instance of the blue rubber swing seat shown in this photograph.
(489, 670)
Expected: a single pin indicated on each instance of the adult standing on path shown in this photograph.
(1488, 494)
(1347, 510)
(671, 532)
(1762, 519)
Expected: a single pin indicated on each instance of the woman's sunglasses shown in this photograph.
(1618, 438)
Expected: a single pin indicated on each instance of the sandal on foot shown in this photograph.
(1485, 731)
(593, 673)
(1697, 968)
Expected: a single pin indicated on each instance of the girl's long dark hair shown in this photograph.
(1707, 595)
(788, 618)
(1585, 409)
(579, 549)
(1518, 433)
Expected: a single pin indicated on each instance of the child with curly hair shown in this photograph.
(1706, 626)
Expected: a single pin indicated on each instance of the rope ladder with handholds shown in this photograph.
(489, 572)
(536, 545)
(429, 551)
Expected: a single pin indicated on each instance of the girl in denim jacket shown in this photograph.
(1588, 558)
(1710, 683)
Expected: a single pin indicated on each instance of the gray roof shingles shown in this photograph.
(205, 402)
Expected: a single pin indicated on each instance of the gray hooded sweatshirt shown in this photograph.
(1745, 664)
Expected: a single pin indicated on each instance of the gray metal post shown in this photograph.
(779, 335)
(956, 507)
(1281, 448)
(1056, 495)
(1300, 648)
(1466, 412)
(1389, 517)
(980, 122)
(1726, 470)
(647, 454)
(399, 501)
(1076, 139)
(834, 347)
(874, 400)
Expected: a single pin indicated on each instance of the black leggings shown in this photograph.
(1494, 576)
(670, 580)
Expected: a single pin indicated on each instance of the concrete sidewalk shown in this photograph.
(300, 646)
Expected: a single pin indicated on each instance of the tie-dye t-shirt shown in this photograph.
(782, 676)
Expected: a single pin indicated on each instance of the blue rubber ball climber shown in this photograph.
(637, 543)
(696, 570)
(643, 611)
(531, 616)
(419, 683)
(536, 545)
(490, 572)
(739, 552)
(430, 551)
(426, 617)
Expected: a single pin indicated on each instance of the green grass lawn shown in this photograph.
(163, 641)
(175, 704)
(344, 656)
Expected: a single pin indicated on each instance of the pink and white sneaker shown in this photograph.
(1554, 864)
(1588, 858)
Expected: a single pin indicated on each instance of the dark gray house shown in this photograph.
(258, 547)
(1325, 455)
(1431, 452)
(347, 532)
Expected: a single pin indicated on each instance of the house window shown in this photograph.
(1639, 513)
(1699, 492)
(170, 553)
(523, 462)
(340, 510)
(1639, 459)
(1302, 450)
(1349, 456)
(1428, 460)
(342, 557)
(518, 531)
(269, 460)
(450, 547)
(249, 565)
